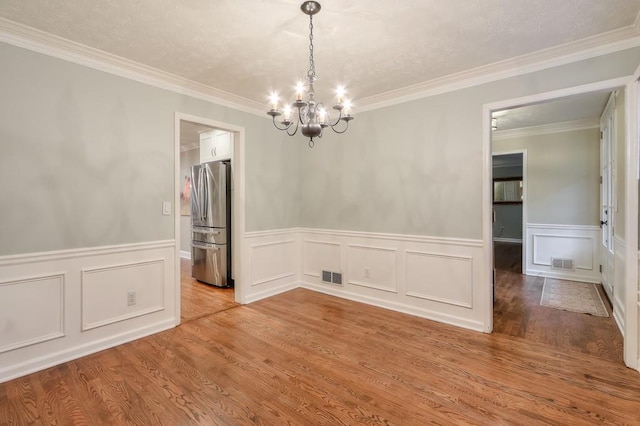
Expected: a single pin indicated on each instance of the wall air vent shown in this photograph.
(563, 264)
(336, 278)
(326, 276)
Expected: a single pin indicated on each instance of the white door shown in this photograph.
(607, 195)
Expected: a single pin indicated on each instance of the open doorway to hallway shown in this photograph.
(561, 234)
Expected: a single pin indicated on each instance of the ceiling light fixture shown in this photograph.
(312, 116)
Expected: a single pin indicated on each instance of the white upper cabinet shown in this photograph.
(215, 145)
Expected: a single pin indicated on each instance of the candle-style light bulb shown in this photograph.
(347, 107)
(340, 92)
(274, 100)
(299, 90)
(287, 112)
(322, 116)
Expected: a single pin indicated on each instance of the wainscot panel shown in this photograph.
(274, 259)
(577, 244)
(38, 320)
(435, 278)
(81, 298)
(373, 267)
(119, 292)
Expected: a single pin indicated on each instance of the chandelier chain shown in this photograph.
(312, 66)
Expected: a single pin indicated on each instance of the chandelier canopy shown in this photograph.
(312, 116)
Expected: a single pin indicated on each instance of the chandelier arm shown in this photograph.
(340, 131)
(278, 127)
(337, 120)
(295, 129)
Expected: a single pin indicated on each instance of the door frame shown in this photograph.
(524, 200)
(237, 200)
(629, 83)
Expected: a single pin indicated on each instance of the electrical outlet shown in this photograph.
(131, 298)
(366, 273)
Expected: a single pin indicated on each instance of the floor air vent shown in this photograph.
(562, 264)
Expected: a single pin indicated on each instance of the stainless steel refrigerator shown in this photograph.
(211, 223)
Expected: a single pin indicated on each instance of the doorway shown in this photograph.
(193, 298)
(509, 192)
(538, 240)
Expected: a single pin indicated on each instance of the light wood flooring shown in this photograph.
(518, 313)
(305, 358)
(200, 299)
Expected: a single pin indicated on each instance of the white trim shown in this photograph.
(631, 318)
(39, 41)
(271, 232)
(254, 297)
(86, 272)
(17, 259)
(631, 222)
(487, 225)
(545, 129)
(185, 255)
(58, 47)
(507, 240)
(36, 364)
(611, 42)
(396, 237)
(395, 306)
(238, 200)
(40, 339)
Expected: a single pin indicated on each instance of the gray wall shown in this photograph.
(416, 168)
(86, 157)
(563, 176)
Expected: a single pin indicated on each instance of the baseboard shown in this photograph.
(398, 307)
(618, 313)
(272, 291)
(508, 240)
(50, 360)
(185, 254)
(561, 276)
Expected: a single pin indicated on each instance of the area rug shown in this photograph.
(573, 296)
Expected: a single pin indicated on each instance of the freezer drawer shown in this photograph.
(209, 235)
(209, 263)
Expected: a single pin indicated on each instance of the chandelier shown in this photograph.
(310, 115)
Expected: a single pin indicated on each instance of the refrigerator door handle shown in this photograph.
(205, 231)
(204, 246)
(202, 200)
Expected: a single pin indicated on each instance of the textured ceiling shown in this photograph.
(249, 47)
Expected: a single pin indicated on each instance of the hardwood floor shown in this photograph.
(517, 313)
(305, 358)
(199, 299)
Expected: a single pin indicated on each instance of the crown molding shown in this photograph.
(42, 42)
(602, 44)
(189, 147)
(566, 126)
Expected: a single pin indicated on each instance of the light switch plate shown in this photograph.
(166, 208)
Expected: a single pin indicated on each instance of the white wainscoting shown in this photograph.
(577, 242)
(619, 290)
(434, 278)
(273, 263)
(58, 306)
